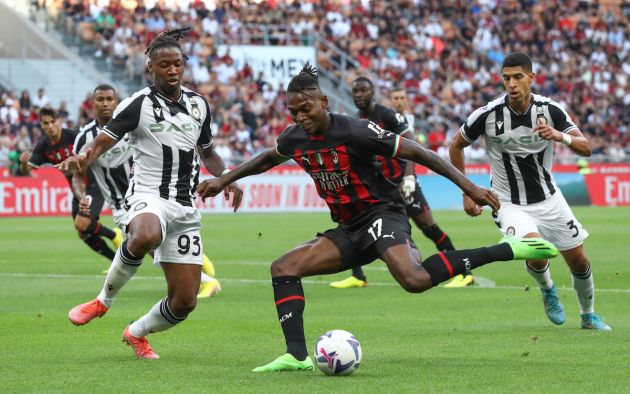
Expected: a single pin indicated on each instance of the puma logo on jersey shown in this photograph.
(389, 235)
(500, 124)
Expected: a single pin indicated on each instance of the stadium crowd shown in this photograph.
(445, 52)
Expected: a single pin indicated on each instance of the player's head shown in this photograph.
(518, 76)
(398, 97)
(166, 61)
(362, 92)
(305, 101)
(49, 121)
(105, 101)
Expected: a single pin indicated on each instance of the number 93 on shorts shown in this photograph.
(184, 248)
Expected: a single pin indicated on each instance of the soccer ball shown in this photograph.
(338, 353)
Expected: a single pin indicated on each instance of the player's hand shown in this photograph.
(210, 188)
(84, 204)
(547, 132)
(481, 197)
(471, 207)
(408, 187)
(237, 195)
(75, 163)
(25, 157)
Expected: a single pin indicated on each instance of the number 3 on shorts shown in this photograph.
(184, 244)
(572, 226)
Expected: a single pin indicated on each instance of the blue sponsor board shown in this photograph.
(443, 194)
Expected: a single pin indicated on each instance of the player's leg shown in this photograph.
(357, 279)
(180, 256)
(419, 212)
(145, 231)
(318, 256)
(403, 259)
(584, 286)
(209, 283)
(183, 282)
(520, 221)
(559, 225)
(90, 236)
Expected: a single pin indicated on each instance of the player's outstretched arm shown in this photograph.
(216, 166)
(259, 164)
(410, 150)
(458, 159)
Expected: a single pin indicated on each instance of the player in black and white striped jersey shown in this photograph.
(168, 126)
(112, 171)
(519, 130)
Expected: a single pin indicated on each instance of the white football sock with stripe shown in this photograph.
(159, 318)
(585, 289)
(123, 267)
(542, 277)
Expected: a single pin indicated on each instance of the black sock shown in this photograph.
(289, 296)
(357, 272)
(96, 228)
(97, 244)
(444, 265)
(440, 238)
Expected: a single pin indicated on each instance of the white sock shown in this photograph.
(119, 273)
(585, 289)
(206, 278)
(542, 277)
(159, 318)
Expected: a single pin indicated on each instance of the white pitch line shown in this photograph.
(483, 283)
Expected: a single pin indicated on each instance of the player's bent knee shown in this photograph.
(142, 243)
(182, 306)
(414, 285)
(81, 225)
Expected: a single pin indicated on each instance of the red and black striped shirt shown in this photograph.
(343, 166)
(390, 120)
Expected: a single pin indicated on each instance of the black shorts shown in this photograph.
(369, 238)
(96, 203)
(419, 204)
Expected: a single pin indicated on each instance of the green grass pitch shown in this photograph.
(489, 338)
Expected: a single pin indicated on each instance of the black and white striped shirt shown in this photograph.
(111, 170)
(163, 135)
(520, 161)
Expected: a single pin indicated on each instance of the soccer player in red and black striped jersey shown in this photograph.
(55, 147)
(338, 152)
(399, 171)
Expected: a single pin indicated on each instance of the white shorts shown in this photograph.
(552, 219)
(180, 225)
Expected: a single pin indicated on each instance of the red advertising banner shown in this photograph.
(608, 189)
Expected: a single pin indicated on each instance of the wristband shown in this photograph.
(566, 139)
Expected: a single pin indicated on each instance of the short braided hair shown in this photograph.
(307, 79)
(168, 38)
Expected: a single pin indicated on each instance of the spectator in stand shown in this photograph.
(25, 100)
(445, 54)
(41, 100)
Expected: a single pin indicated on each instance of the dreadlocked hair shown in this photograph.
(168, 38)
(307, 79)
